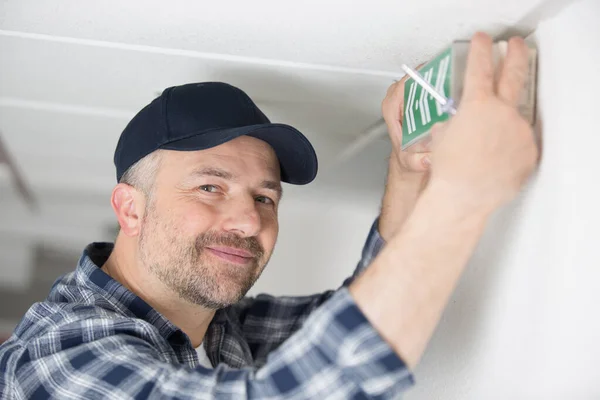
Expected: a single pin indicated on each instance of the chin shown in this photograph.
(234, 297)
(230, 286)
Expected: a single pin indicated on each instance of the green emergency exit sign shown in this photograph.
(421, 110)
(445, 72)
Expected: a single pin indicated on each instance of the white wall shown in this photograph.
(319, 245)
(524, 322)
(16, 261)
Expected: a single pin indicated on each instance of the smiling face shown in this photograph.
(210, 224)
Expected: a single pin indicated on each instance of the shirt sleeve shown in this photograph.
(371, 249)
(267, 321)
(337, 354)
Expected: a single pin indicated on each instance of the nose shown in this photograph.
(243, 218)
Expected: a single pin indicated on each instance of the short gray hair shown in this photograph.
(142, 174)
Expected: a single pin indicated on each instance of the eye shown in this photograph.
(209, 188)
(264, 199)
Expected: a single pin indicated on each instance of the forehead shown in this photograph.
(241, 156)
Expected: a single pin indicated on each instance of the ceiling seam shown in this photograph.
(113, 113)
(199, 54)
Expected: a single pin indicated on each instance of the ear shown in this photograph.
(128, 205)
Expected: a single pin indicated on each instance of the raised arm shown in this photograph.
(478, 162)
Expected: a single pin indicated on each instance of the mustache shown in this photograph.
(249, 244)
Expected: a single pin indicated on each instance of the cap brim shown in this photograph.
(297, 157)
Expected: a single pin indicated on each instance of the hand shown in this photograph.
(487, 150)
(414, 161)
(408, 171)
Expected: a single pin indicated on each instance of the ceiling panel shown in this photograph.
(375, 34)
(121, 82)
(60, 150)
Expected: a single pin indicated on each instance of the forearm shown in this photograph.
(406, 288)
(402, 191)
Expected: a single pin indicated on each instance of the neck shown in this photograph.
(123, 266)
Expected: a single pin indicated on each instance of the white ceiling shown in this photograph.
(73, 72)
(374, 35)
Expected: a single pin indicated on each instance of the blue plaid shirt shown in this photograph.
(94, 339)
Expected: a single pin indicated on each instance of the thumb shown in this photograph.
(417, 162)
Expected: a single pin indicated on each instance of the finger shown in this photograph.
(417, 162)
(423, 146)
(437, 129)
(392, 114)
(392, 109)
(514, 71)
(395, 133)
(479, 74)
(396, 90)
(436, 133)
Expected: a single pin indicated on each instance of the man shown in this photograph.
(163, 313)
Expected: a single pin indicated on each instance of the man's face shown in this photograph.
(210, 225)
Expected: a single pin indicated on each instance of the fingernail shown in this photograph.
(426, 161)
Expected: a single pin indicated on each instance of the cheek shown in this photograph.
(270, 230)
(191, 219)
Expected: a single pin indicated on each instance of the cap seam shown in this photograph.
(164, 106)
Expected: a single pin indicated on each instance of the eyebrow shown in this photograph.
(211, 171)
(223, 174)
(274, 186)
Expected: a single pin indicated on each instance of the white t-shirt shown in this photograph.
(203, 357)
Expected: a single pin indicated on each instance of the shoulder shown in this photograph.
(50, 327)
(75, 314)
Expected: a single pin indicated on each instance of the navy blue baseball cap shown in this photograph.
(199, 116)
